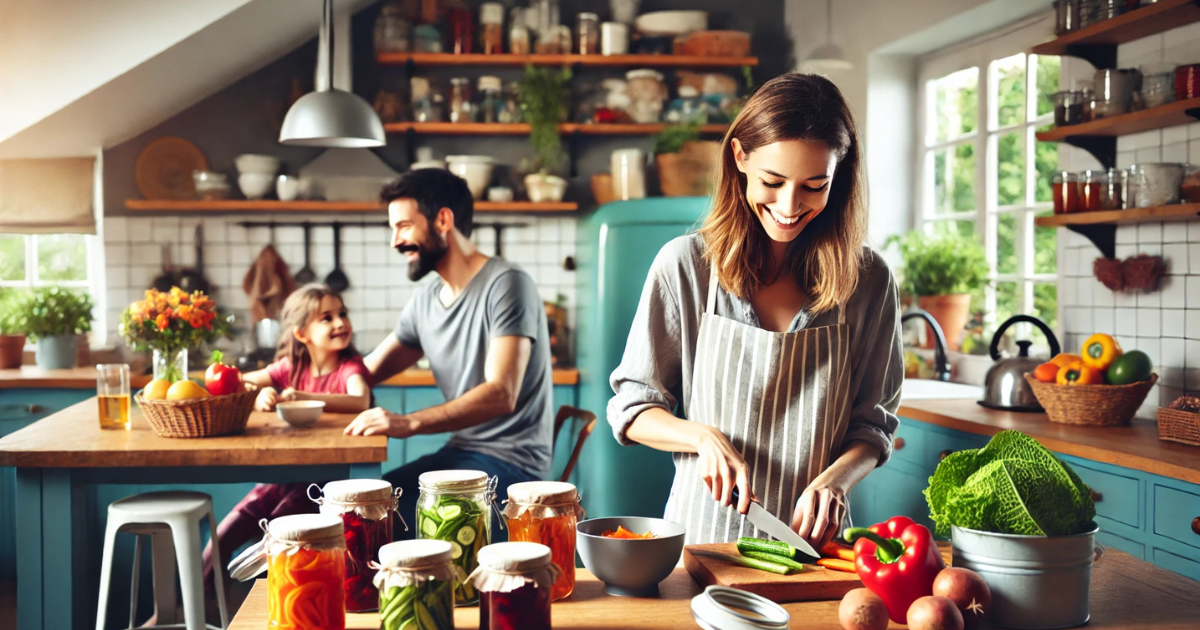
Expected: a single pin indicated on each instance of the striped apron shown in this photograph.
(782, 399)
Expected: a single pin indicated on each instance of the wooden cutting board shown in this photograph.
(814, 584)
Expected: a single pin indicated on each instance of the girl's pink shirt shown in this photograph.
(332, 383)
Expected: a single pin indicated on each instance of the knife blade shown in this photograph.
(764, 520)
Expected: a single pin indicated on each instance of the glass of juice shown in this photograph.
(112, 390)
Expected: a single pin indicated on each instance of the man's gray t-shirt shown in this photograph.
(500, 301)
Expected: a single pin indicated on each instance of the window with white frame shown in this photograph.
(983, 172)
(29, 260)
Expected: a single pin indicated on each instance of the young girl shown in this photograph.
(315, 361)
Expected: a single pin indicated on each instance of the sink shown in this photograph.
(922, 389)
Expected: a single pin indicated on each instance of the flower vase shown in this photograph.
(171, 365)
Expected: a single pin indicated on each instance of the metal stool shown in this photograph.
(157, 514)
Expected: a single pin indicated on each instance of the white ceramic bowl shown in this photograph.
(300, 413)
(671, 22)
(476, 169)
(256, 185)
(545, 187)
(251, 163)
(287, 187)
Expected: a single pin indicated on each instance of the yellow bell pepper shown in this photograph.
(1063, 359)
(1079, 374)
(1100, 350)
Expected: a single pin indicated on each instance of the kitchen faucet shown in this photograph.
(939, 342)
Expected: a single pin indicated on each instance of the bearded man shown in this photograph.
(482, 325)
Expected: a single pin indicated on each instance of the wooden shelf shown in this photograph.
(1169, 115)
(1098, 42)
(594, 61)
(1178, 212)
(521, 129)
(283, 207)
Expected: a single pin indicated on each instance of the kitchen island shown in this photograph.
(1126, 594)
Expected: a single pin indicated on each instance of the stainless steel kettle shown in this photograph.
(1004, 387)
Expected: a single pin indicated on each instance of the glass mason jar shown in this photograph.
(546, 512)
(365, 507)
(647, 92)
(392, 31)
(1065, 188)
(1068, 108)
(460, 100)
(456, 506)
(171, 365)
(491, 99)
(1091, 185)
(518, 32)
(305, 571)
(514, 581)
(416, 571)
(462, 32)
(1112, 192)
(587, 33)
(1066, 16)
(491, 28)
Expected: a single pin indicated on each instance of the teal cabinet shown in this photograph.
(1145, 515)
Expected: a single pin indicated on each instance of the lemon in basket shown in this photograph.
(186, 390)
(157, 389)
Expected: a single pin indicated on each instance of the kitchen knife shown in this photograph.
(767, 522)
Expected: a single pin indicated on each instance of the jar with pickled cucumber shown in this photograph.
(456, 506)
(416, 581)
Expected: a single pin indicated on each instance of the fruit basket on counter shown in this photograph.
(208, 416)
(1180, 422)
(1101, 386)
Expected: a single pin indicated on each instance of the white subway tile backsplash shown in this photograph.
(1193, 292)
(1176, 152)
(1152, 346)
(1174, 135)
(1149, 154)
(1175, 255)
(1191, 379)
(1149, 322)
(1085, 291)
(1126, 234)
(1150, 234)
(1192, 360)
(1152, 299)
(1194, 151)
(1145, 140)
(1102, 296)
(1192, 327)
(1172, 352)
(1103, 320)
(1127, 321)
(1174, 291)
(1125, 159)
(1173, 323)
(1124, 251)
(1124, 299)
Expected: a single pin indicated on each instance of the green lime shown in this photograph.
(1131, 367)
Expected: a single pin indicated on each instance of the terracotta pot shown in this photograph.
(951, 313)
(12, 349)
(602, 188)
(688, 173)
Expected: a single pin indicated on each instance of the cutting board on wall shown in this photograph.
(816, 583)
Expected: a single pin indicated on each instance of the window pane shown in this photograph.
(1046, 162)
(1006, 301)
(963, 228)
(12, 257)
(1010, 170)
(61, 257)
(956, 104)
(954, 179)
(1047, 82)
(1045, 303)
(1010, 86)
(1045, 245)
(1006, 243)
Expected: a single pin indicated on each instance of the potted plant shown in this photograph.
(685, 163)
(54, 318)
(170, 323)
(942, 271)
(544, 97)
(13, 323)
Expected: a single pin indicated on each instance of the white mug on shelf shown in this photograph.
(628, 174)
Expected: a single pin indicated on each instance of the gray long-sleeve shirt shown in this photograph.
(656, 370)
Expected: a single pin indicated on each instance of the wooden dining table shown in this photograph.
(60, 456)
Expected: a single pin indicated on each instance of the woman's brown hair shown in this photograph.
(301, 307)
(826, 256)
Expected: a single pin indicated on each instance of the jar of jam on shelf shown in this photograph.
(1091, 188)
(462, 31)
(1112, 192)
(306, 568)
(1065, 188)
(491, 28)
(456, 506)
(587, 33)
(419, 571)
(546, 512)
(460, 100)
(365, 507)
(514, 580)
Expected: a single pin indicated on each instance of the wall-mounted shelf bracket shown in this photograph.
(1103, 236)
(1104, 148)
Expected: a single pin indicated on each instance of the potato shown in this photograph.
(934, 613)
(862, 610)
(969, 593)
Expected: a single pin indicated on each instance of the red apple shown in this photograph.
(221, 379)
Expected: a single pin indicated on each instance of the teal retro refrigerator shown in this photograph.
(616, 246)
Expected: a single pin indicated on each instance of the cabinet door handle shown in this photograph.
(1096, 496)
(1196, 526)
(898, 444)
(944, 454)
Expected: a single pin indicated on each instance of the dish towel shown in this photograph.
(268, 283)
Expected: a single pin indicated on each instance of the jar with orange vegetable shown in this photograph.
(305, 570)
(546, 512)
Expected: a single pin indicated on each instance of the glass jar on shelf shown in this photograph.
(511, 112)
(647, 92)
(514, 580)
(365, 507)
(460, 100)
(426, 39)
(1065, 189)
(1068, 108)
(421, 571)
(1158, 84)
(456, 506)
(1091, 187)
(519, 37)
(546, 512)
(392, 31)
(491, 100)
(462, 31)
(427, 102)
(587, 33)
(1112, 191)
(491, 28)
(1066, 16)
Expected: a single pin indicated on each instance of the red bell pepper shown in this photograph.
(897, 561)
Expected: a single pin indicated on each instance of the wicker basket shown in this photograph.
(200, 417)
(1093, 405)
(1179, 426)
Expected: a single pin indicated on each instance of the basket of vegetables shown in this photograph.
(1180, 422)
(1100, 386)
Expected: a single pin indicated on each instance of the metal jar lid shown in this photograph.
(724, 608)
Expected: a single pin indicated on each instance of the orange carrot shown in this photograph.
(837, 564)
(834, 550)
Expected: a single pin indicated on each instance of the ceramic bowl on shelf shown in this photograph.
(476, 169)
(630, 568)
(671, 22)
(499, 194)
(287, 187)
(300, 414)
(256, 185)
(544, 188)
(251, 163)
(210, 186)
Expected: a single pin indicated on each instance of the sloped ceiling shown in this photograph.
(141, 62)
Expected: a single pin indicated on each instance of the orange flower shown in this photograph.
(162, 321)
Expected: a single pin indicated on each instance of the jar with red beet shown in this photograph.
(1065, 189)
(514, 580)
(366, 507)
(1091, 188)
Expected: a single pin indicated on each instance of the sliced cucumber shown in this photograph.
(770, 557)
(429, 528)
(466, 535)
(456, 550)
(449, 511)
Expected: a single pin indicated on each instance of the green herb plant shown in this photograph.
(672, 138)
(941, 264)
(14, 319)
(545, 95)
(53, 311)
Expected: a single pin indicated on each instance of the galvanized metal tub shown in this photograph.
(1037, 582)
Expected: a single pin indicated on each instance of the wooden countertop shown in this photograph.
(72, 438)
(1126, 593)
(1135, 446)
(30, 377)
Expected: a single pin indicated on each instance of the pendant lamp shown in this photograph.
(329, 117)
(828, 57)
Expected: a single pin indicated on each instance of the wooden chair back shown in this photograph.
(587, 424)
